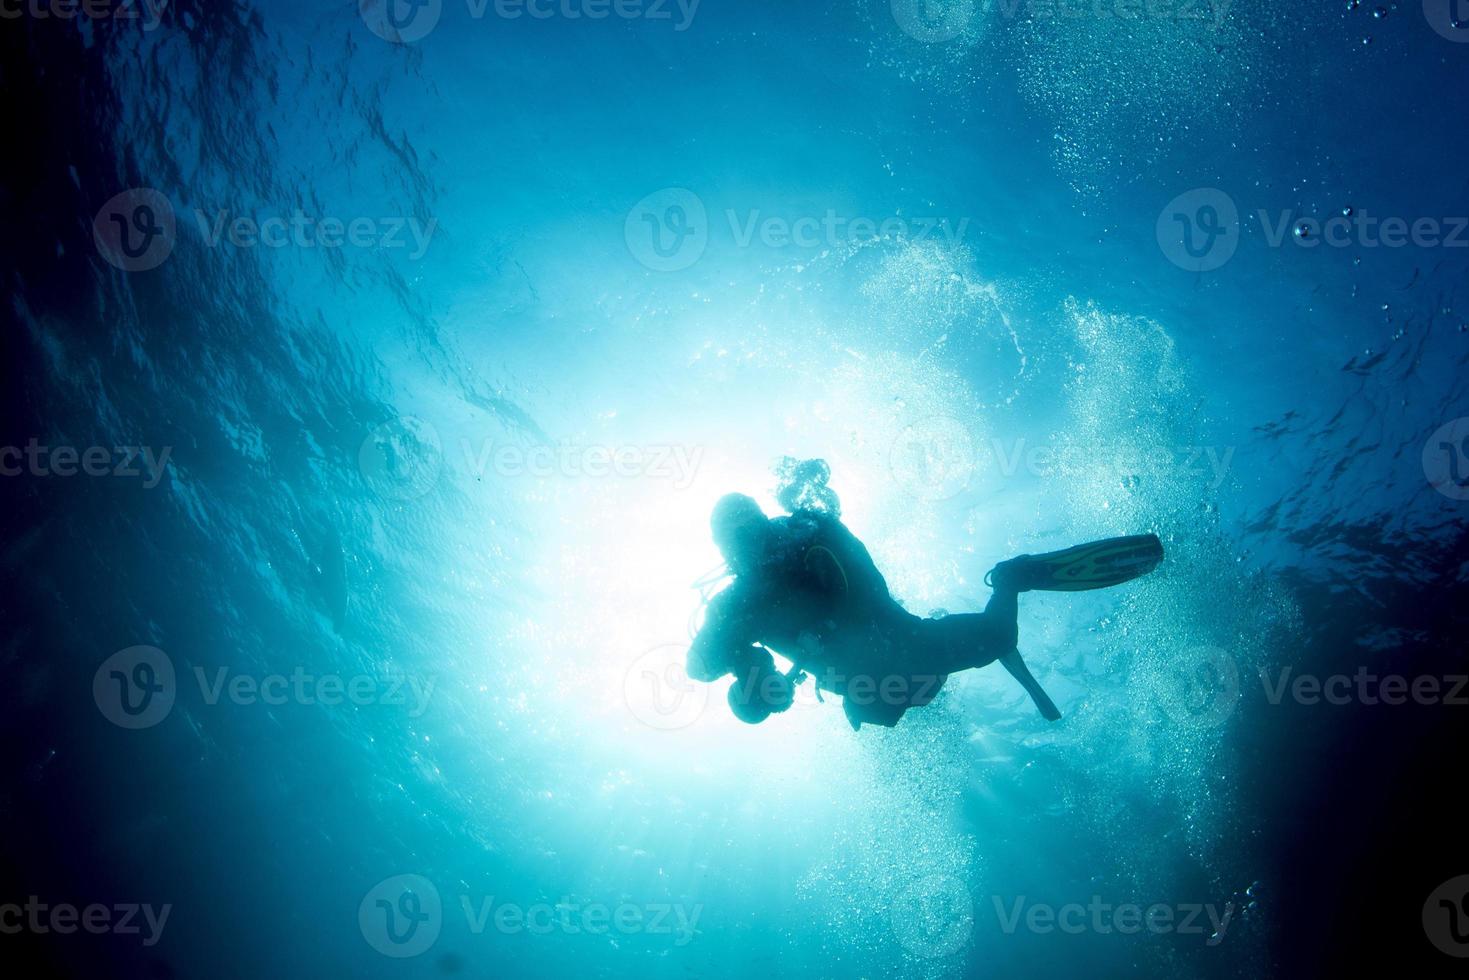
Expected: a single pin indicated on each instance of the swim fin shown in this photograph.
(1012, 662)
(1087, 566)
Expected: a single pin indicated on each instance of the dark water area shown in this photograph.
(371, 372)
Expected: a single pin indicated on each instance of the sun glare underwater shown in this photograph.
(373, 369)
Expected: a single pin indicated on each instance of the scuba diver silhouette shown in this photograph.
(806, 588)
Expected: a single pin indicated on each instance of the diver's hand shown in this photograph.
(809, 644)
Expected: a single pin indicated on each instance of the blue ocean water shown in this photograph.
(401, 351)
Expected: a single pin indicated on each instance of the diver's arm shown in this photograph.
(706, 662)
(724, 644)
(711, 660)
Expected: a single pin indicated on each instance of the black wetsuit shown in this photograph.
(816, 578)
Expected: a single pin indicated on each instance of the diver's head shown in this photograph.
(740, 530)
(763, 691)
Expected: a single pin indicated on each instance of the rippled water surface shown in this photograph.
(371, 371)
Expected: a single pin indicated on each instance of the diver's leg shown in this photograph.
(964, 640)
(1004, 608)
(970, 640)
(1003, 613)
